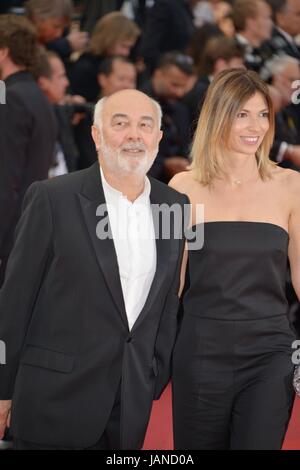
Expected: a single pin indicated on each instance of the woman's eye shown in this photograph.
(265, 115)
(241, 115)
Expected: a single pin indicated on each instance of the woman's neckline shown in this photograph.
(279, 227)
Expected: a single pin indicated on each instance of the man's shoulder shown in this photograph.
(66, 183)
(20, 83)
(26, 93)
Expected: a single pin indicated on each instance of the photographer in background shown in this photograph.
(52, 20)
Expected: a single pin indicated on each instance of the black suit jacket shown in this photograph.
(278, 45)
(64, 114)
(281, 44)
(28, 133)
(169, 27)
(194, 100)
(287, 129)
(63, 319)
(83, 76)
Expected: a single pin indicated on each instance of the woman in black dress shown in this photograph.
(232, 363)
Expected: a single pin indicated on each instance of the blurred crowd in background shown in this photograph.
(170, 49)
(58, 57)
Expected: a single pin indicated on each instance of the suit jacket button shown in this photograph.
(128, 340)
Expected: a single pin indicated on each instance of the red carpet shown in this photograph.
(159, 433)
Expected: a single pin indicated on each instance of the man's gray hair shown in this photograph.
(99, 110)
(44, 9)
(280, 62)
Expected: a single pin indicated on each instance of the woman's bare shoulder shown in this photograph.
(288, 182)
(286, 177)
(182, 181)
(293, 185)
(290, 178)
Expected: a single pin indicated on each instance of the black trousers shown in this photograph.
(110, 439)
(228, 392)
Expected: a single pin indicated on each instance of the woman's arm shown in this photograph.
(178, 182)
(294, 230)
(183, 270)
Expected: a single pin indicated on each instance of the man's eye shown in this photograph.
(146, 125)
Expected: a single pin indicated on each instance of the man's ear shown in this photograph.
(43, 83)
(101, 78)
(160, 135)
(96, 137)
(4, 53)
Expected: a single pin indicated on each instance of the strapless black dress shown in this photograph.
(232, 363)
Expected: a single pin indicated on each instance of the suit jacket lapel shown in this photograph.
(90, 197)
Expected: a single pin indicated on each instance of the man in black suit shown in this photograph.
(286, 15)
(169, 26)
(168, 85)
(28, 126)
(50, 74)
(253, 24)
(286, 147)
(90, 333)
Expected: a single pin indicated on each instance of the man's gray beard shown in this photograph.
(141, 167)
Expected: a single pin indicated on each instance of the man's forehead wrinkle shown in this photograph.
(118, 115)
(123, 115)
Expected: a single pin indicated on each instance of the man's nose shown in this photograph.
(134, 133)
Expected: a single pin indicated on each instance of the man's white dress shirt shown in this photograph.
(133, 234)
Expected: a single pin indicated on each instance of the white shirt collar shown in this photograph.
(244, 42)
(242, 39)
(143, 197)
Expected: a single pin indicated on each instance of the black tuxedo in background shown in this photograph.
(194, 101)
(63, 319)
(169, 27)
(28, 133)
(279, 45)
(287, 129)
